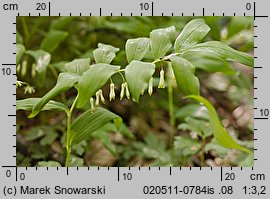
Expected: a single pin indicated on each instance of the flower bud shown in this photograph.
(18, 69)
(112, 93)
(29, 89)
(161, 80)
(101, 96)
(122, 93)
(19, 84)
(33, 72)
(150, 86)
(92, 104)
(97, 98)
(24, 68)
(127, 91)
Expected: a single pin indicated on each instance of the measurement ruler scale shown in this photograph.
(134, 182)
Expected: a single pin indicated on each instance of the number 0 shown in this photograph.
(248, 6)
(8, 173)
(22, 176)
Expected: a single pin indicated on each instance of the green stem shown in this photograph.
(171, 112)
(68, 158)
(68, 135)
(123, 78)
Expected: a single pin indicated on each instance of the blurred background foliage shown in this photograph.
(144, 139)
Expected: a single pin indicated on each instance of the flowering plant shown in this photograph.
(164, 52)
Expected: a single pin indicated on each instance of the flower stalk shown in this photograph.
(68, 134)
(171, 113)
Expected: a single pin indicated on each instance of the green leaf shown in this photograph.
(92, 80)
(29, 103)
(215, 24)
(216, 148)
(136, 49)
(186, 145)
(238, 24)
(209, 62)
(47, 133)
(192, 110)
(201, 127)
(104, 137)
(23, 161)
(19, 38)
(75, 161)
(192, 33)
(65, 81)
(160, 41)
(171, 32)
(138, 75)
(154, 147)
(19, 52)
(123, 130)
(247, 161)
(184, 75)
(61, 23)
(53, 39)
(48, 164)
(42, 59)
(139, 26)
(59, 66)
(104, 53)
(78, 66)
(39, 152)
(223, 51)
(220, 133)
(37, 132)
(80, 148)
(49, 138)
(89, 122)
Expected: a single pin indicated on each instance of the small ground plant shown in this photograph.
(165, 55)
